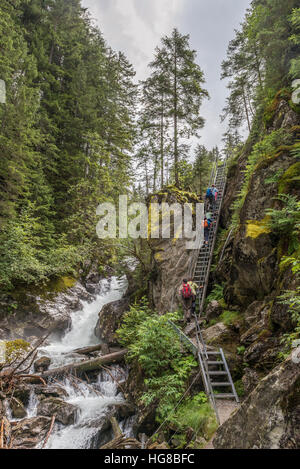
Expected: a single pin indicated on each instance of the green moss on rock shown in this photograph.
(290, 179)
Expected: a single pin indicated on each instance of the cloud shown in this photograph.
(136, 26)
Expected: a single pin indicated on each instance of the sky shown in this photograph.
(135, 27)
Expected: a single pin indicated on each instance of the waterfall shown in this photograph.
(93, 400)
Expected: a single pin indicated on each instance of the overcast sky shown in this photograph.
(136, 26)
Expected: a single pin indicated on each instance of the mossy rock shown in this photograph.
(290, 179)
(61, 284)
(271, 109)
(255, 228)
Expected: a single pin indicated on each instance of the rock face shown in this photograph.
(109, 321)
(37, 311)
(213, 310)
(269, 417)
(65, 413)
(172, 260)
(28, 433)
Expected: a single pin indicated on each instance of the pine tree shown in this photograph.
(181, 83)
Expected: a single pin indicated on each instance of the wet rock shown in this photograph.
(40, 310)
(125, 410)
(270, 416)
(213, 310)
(28, 433)
(50, 391)
(65, 413)
(17, 409)
(109, 320)
(250, 380)
(42, 364)
(22, 392)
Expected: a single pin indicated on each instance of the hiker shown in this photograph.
(209, 196)
(215, 193)
(206, 224)
(186, 295)
(209, 216)
(194, 288)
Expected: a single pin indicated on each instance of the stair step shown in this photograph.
(223, 396)
(217, 373)
(215, 363)
(213, 353)
(220, 384)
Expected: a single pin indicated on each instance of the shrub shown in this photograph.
(154, 345)
(196, 413)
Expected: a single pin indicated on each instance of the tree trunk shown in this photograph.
(175, 122)
(162, 142)
(246, 109)
(87, 365)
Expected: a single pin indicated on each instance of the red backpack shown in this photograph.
(186, 291)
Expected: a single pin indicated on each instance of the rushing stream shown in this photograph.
(91, 399)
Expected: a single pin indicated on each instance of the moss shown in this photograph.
(256, 228)
(61, 284)
(229, 318)
(272, 107)
(290, 179)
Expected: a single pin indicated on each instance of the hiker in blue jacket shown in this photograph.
(209, 196)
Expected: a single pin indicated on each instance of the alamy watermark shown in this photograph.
(2, 92)
(296, 92)
(2, 351)
(137, 220)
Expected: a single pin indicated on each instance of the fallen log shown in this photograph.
(87, 365)
(121, 442)
(85, 350)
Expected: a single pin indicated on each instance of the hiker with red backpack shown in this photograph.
(186, 295)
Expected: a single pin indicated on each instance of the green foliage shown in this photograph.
(215, 294)
(15, 350)
(239, 387)
(285, 221)
(67, 131)
(196, 413)
(154, 345)
(261, 151)
(229, 318)
(240, 350)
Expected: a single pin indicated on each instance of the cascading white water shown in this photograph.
(81, 333)
(92, 401)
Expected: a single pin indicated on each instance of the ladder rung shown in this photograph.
(214, 353)
(221, 384)
(223, 396)
(217, 372)
(214, 363)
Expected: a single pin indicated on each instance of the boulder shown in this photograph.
(17, 409)
(213, 310)
(42, 364)
(125, 409)
(22, 392)
(65, 413)
(263, 353)
(217, 334)
(27, 433)
(110, 318)
(50, 391)
(270, 416)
